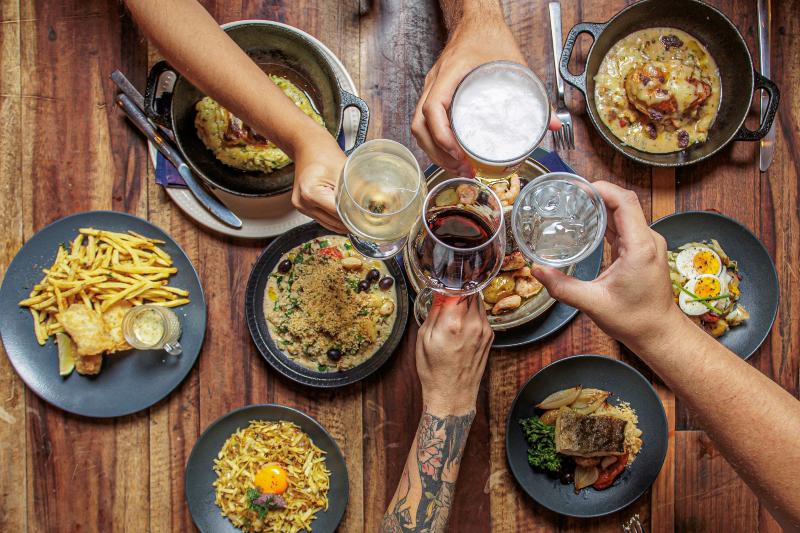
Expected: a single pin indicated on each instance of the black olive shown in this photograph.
(386, 283)
(373, 275)
(567, 478)
(363, 286)
(284, 266)
(483, 198)
(334, 354)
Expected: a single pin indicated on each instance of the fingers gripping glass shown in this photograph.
(379, 197)
(558, 219)
(457, 246)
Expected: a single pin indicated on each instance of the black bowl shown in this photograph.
(759, 285)
(713, 29)
(129, 381)
(281, 50)
(254, 311)
(200, 473)
(625, 384)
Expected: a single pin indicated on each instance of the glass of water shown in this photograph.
(558, 219)
(380, 197)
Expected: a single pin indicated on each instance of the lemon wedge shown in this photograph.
(66, 362)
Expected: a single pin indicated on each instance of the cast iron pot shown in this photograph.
(739, 79)
(287, 52)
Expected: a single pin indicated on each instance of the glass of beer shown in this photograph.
(499, 114)
(380, 197)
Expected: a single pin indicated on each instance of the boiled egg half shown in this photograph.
(703, 286)
(698, 260)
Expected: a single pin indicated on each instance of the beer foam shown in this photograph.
(499, 114)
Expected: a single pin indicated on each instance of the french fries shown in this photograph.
(100, 268)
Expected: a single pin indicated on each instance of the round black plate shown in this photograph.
(760, 291)
(200, 473)
(129, 381)
(625, 384)
(254, 311)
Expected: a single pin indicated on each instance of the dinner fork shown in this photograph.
(633, 525)
(564, 137)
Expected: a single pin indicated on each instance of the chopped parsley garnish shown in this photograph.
(298, 259)
(322, 368)
(323, 243)
(363, 312)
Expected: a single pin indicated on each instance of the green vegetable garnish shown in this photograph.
(541, 439)
(697, 298)
(298, 259)
(710, 298)
(323, 243)
(322, 368)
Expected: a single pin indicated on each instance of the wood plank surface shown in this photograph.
(65, 148)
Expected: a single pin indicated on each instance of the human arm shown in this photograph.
(193, 43)
(451, 352)
(753, 421)
(477, 34)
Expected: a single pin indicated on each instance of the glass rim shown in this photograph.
(539, 85)
(594, 195)
(424, 218)
(420, 179)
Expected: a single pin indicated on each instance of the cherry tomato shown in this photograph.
(710, 317)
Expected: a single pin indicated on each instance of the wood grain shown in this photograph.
(65, 148)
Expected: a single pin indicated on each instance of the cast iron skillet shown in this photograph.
(284, 51)
(257, 323)
(625, 384)
(200, 474)
(760, 290)
(713, 29)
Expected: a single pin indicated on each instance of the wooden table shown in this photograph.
(64, 147)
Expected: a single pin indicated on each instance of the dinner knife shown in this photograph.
(767, 151)
(124, 85)
(214, 206)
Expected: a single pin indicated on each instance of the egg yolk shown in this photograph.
(705, 262)
(272, 479)
(707, 287)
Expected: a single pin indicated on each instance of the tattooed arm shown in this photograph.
(452, 347)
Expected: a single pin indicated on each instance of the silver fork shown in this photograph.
(633, 525)
(563, 138)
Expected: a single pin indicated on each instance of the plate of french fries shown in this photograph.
(62, 305)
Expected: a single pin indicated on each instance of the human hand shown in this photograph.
(632, 299)
(452, 348)
(466, 49)
(317, 167)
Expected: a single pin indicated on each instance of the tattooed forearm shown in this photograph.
(424, 495)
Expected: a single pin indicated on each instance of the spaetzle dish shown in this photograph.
(705, 285)
(271, 478)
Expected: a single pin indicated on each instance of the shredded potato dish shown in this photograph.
(271, 477)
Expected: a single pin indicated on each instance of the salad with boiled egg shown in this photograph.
(705, 285)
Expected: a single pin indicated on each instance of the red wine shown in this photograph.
(459, 228)
(458, 266)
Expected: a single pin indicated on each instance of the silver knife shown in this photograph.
(767, 152)
(214, 206)
(127, 87)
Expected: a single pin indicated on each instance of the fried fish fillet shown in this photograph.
(87, 330)
(112, 321)
(589, 436)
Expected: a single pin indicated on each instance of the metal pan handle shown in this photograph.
(351, 100)
(158, 110)
(760, 82)
(592, 28)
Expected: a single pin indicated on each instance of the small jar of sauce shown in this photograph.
(152, 327)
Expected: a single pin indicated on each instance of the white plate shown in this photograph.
(262, 217)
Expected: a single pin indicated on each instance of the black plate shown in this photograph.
(760, 291)
(129, 381)
(200, 474)
(625, 384)
(254, 311)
